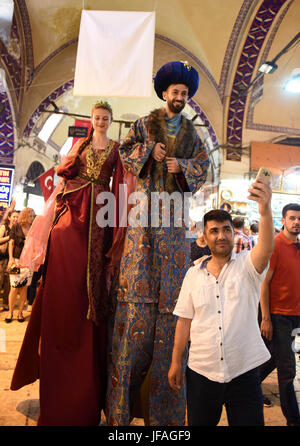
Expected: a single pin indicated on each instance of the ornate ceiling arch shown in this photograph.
(69, 85)
(253, 23)
(250, 124)
(258, 30)
(7, 139)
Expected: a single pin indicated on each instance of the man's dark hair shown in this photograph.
(217, 215)
(238, 223)
(290, 207)
(254, 228)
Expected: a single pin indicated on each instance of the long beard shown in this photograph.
(175, 108)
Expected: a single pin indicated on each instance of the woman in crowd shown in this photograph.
(66, 339)
(12, 218)
(20, 279)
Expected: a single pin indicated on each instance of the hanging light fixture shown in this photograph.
(6, 16)
(268, 67)
(292, 85)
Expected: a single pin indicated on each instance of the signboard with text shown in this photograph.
(77, 132)
(6, 185)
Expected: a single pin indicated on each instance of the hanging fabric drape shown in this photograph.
(115, 54)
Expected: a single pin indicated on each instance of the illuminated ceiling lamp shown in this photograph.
(6, 16)
(268, 67)
(292, 85)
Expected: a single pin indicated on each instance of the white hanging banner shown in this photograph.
(115, 54)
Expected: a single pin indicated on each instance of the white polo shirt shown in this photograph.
(225, 336)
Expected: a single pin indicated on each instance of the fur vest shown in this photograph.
(180, 147)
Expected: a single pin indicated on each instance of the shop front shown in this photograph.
(6, 185)
(284, 162)
(233, 195)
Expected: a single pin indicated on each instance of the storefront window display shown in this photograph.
(233, 197)
(286, 189)
(279, 200)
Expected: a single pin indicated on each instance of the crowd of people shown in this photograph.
(14, 280)
(132, 322)
(278, 303)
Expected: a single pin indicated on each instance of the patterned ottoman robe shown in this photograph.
(153, 265)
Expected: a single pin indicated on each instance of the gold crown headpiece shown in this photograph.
(104, 104)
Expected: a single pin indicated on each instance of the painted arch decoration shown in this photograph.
(257, 33)
(7, 139)
(266, 14)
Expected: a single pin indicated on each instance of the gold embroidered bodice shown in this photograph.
(95, 161)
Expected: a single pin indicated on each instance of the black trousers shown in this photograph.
(242, 398)
(283, 358)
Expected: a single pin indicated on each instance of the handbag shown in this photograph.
(14, 269)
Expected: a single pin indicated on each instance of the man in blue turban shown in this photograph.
(176, 73)
(166, 156)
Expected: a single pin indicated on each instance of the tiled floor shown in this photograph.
(21, 408)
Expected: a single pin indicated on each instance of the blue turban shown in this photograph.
(176, 73)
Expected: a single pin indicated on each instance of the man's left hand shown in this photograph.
(172, 164)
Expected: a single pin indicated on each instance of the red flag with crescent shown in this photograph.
(47, 183)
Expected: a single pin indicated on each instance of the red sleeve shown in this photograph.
(69, 168)
(115, 253)
(118, 179)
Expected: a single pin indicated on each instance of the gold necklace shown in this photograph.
(95, 161)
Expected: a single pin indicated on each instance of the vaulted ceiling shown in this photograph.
(226, 41)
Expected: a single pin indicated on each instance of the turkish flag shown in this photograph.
(82, 123)
(47, 183)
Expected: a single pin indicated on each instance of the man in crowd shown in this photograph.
(241, 240)
(217, 312)
(165, 154)
(280, 310)
(253, 233)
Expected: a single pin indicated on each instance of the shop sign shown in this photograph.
(6, 184)
(77, 132)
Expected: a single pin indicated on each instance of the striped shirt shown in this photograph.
(241, 242)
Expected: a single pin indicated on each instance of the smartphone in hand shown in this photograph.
(264, 173)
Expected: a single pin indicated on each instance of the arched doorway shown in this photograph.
(34, 196)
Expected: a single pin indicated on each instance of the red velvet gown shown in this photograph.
(70, 310)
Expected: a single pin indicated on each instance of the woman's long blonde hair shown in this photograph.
(24, 217)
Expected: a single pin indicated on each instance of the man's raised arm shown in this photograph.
(260, 255)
